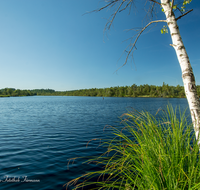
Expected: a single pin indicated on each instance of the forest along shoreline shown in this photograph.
(145, 90)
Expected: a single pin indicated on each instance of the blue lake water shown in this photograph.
(39, 134)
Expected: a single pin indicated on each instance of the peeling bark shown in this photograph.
(187, 72)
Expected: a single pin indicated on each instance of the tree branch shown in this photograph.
(155, 2)
(179, 10)
(114, 15)
(172, 6)
(184, 14)
(150, 12)
(133, 45)
(126, 6)
(104, 7)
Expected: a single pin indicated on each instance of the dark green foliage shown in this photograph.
(7, 92)
(43, 91)
(145, 90)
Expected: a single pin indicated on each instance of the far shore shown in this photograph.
(143, 96)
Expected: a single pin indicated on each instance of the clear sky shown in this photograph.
(51, 44)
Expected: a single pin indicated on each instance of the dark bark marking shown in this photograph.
(170, 23)
(177, 27)
(191, 87)
(189, 73)
(174, 34)
(180, 47)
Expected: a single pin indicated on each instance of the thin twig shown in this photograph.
(133, 46)
(179, 10)
(104, 7)
(184, 14)
(155, 2)
(126, 6)
(150, 12)
(114, 16)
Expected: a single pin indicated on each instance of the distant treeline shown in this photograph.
(134, 91)
(123, 91)
(6, 92)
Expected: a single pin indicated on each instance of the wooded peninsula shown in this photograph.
(145, 90)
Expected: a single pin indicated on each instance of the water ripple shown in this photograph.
(39, 135)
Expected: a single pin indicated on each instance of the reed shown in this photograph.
(149, 153)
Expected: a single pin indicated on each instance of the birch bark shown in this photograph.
(187, 72)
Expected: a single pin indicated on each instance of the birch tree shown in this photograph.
(171, 8)
(186, 68)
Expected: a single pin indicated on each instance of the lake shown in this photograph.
(39, 134)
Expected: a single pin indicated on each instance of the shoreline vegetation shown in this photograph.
(145, 90)
(148, 152)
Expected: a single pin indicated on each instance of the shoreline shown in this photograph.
(144, 96)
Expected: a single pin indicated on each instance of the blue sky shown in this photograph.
(51, 44)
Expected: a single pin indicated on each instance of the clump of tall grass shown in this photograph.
(150, 153)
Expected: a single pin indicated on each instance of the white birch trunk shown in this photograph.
(187, 72)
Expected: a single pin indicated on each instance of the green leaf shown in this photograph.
(164, 30)
(185, 2)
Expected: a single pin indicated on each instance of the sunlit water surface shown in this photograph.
(38, 136)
